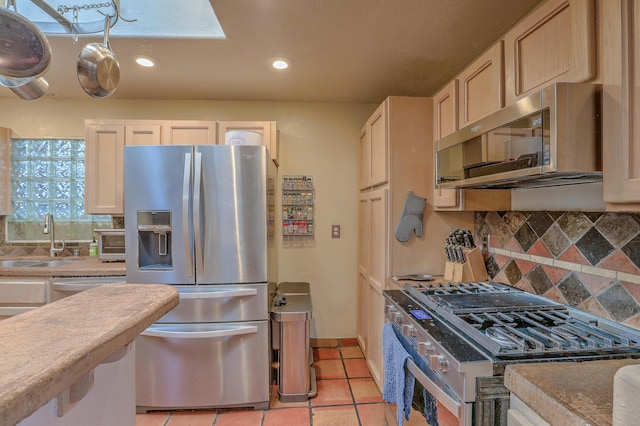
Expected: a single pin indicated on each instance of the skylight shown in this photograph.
(153, 18)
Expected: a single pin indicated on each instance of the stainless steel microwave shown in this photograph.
(549, 138)
(111, 246)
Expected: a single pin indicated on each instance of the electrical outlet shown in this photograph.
(485, 242)
(335, 231)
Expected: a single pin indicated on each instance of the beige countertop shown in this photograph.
(47, 350)
(85, 266)
(567, 393)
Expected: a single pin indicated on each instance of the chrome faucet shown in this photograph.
(49, 228)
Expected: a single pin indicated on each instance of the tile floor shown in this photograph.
(347, 396)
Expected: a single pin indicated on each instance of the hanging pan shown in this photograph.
(24, 49)
(98, 68)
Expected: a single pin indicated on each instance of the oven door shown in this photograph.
(440, 401)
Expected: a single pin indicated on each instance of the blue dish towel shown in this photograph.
(398, 381)
(430, 408)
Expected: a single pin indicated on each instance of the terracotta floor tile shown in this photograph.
(365, 390)
(326, 353)
(192, 418)
(275, 400)
(152, 419)
(351, 352)
(335, 416)
(349, 342)
(371, 414)
(415, 418)
(240, 418)
(324, 343)
(287, 417)
(329, 369)
(332, 392)
(356, 367)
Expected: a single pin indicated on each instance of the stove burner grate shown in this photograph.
(548, 331)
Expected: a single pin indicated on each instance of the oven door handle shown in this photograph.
(451, 404)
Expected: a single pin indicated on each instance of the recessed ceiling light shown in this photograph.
(145, 61)
(280, 63)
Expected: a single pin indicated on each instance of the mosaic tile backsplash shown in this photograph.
(590, 261)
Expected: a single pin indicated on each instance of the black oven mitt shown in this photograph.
(411, 219)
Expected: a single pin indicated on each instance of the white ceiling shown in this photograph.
(342, 50)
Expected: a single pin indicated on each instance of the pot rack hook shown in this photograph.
(117, 14)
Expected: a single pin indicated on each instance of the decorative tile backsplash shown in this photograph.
(590, 261)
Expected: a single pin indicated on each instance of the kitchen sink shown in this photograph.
(33, 263)
(49, 263)
(17, 263)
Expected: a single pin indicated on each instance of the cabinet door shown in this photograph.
(104, 169)
(445, 122)
(378, 256)
(555, 42)
(621, 105)
(268, 130)
(143, 134)
(364, 242)
(362, 327)
(481, 86)
(189, 133)
(375, 358)
(365, 158)
(5, 171)
(377, 130)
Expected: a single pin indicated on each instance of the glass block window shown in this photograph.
(47, 175)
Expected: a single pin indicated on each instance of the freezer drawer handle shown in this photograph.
(200, 334)
(220, 294)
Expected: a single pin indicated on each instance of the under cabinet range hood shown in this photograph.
(549, 138)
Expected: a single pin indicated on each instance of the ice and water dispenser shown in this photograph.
(154, 240)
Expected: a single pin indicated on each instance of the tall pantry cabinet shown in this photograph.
(395, 157)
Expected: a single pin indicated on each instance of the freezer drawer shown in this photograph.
(203, 365)
(220, 303)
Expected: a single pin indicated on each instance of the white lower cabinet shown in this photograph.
(110, 400)
(520, 414)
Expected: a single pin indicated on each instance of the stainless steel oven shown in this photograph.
(461, 336)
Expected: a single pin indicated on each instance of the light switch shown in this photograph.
(335, 231)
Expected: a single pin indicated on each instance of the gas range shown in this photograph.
(462, 335)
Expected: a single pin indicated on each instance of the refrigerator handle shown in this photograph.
(211, 334)
(196, 212)
(186, 185)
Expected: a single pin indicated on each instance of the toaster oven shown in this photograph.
(111, 245)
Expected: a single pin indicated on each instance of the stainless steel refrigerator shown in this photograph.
(202, 218)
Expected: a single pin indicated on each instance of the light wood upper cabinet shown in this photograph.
(189, 133)
(143, 134)
(481, 86)
(104, 169)
(374, 149)
(5, 171)
(621, 105)
(268, 130)
(554, 43)
(445, 122)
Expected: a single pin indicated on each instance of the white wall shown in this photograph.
(317, 139)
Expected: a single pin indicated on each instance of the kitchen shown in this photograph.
(313, 135)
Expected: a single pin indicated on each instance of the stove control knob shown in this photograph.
(425, 348)
(439, 363)
(408, 330)
(390, 312)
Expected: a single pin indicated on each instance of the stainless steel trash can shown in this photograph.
(290, 316)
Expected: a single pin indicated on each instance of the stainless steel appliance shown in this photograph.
(201, 218)
(549, 138)
(461, 336)
(111, 246)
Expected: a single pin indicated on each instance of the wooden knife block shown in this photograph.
(472, 270)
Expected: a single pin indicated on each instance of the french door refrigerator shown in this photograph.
(201, 218)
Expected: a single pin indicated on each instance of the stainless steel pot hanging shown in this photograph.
(98, 68)
(24, 49)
